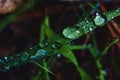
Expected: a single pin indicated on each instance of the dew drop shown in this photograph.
(99, 20)
(7, 67)
(71, 33)
(6, 59)
(44, 44)
(90, 29)
(16, 63)
(40, 53)
(58, 55)
(33, 57)
(56, 45)
(25, 57)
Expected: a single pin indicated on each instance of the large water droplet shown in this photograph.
(40, 53)
(99, 20)
(44, 44)
(71, 32)
(56, 45)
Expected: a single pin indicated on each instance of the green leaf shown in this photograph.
(78, 47)
(94, 49)
(66, 52)
(83, 74)
(43, 67)
(48, 31)
(108, 46)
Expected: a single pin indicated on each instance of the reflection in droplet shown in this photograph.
(56, 45)
(44, 44)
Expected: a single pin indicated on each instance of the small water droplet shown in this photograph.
(87, 21)
(77, 32)
(40, 53)
(77, 25)
(7, 67)
(84, 27)
(6, 59)
(16, 63)
(33, 57)
(25, 57)
(99, 20)
(58, 55)
(44, 44)
(90, 29)
(56, 45)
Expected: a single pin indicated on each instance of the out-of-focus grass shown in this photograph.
(11, 17)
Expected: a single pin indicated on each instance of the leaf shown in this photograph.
(83, 74)
(78, 47)
(43, 67)
(48, 31)
(94, 49)
(66, 52)
(108, 47)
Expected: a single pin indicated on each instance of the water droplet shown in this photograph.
(58, 55)
(33, 57)
(90, 29)
(25, 57)
(7, 67)
(40, 53)
(71, 32)
(6, 59)
(16, 63)
(99, 20)
(84, 27)
(56, 45)
(44, 44)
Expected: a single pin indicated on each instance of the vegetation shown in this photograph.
(64, 46)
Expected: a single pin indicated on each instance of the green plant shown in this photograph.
(52, 44)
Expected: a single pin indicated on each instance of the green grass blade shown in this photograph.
(83, 74)
(43, 67)
(66, 52)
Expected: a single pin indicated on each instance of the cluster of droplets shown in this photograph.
(112, 14)
(78, 30)
(87, 25)
(33, 53)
